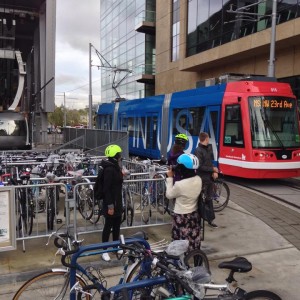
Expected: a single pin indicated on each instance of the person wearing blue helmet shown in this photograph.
(186, 224)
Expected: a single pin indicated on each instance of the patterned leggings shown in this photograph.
(187, 227)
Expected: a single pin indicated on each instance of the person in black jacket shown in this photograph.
(112, 191)
(207, 171)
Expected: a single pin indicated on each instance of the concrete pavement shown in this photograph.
(241, 232)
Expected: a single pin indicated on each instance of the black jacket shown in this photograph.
(112, 186)
(205, 156)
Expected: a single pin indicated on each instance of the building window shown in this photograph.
(212, 23)
(175, 30)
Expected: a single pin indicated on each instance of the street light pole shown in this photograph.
(65, 111)
(90, 87)
(271, 66)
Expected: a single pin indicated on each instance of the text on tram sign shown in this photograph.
(272, 103)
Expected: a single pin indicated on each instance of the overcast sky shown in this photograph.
(77, 25)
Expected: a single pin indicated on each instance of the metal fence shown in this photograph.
(94, 141)
(34, 204)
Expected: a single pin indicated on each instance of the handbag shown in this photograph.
(203, 209)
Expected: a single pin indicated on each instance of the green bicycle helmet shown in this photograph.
(181, 138)
(112, 150)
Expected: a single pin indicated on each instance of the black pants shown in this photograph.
(112, 224)
(208, 187)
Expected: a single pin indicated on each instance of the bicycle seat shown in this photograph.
(239, 264)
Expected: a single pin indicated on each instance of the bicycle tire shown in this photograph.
(196, 258)
(140, 293)
(48, 285)
(128, 211)
(50, 209)
(221, 195)
(159, 188)
(30, 216)
(85, 202)
(145, 206)
(97, 211)
(261, 295)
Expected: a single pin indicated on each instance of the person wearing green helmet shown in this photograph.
(181, 140)
(112, 195)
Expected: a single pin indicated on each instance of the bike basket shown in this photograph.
(200, 275)
(177, 248)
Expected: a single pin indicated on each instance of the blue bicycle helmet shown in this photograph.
(190, 161)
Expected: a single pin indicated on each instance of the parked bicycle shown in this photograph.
(221, 194)
(153, 190)
(127, 199)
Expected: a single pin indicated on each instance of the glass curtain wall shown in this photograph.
(215, 22)
(175, 29)
(125, 48)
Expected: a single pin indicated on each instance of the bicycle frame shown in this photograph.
(86, 251)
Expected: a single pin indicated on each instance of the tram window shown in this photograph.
(124, 126)
(141, 126)
(189, 119)
(131, 126)
(233, 135)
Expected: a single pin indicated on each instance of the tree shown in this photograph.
(57, 117)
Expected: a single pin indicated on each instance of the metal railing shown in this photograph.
(147, 201)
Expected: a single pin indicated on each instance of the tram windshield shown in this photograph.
(12, 127)
(274, 122)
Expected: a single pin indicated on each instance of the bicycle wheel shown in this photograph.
(22, 220)
(53, 284)
(128, 211)
(97, 211)
(196, 258)
(261, 295)
(31, 215)
(220, 195)
(145, 206)
(145, 292)
(84, 200)
(50, 209)
(159, 193)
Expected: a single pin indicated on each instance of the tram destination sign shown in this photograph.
(273, 103)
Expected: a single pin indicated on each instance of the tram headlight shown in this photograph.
(263, 155)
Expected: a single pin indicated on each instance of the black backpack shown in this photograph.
(98, 187)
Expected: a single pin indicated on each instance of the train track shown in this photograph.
(285, 191)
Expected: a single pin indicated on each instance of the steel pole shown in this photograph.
(65, 111)
(90, 87)
(271, 66)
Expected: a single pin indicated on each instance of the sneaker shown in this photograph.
(105, 257)
(213, 225)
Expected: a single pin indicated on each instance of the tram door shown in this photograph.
(151, 135)
(211, 125)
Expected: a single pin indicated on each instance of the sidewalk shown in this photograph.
(276, 262)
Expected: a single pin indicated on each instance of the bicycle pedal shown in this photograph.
(58, 221)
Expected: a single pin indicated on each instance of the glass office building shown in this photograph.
(197, 41)
(179, 43)
(127, 43)
(212, 23)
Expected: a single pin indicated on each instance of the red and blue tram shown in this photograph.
(253, 125)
